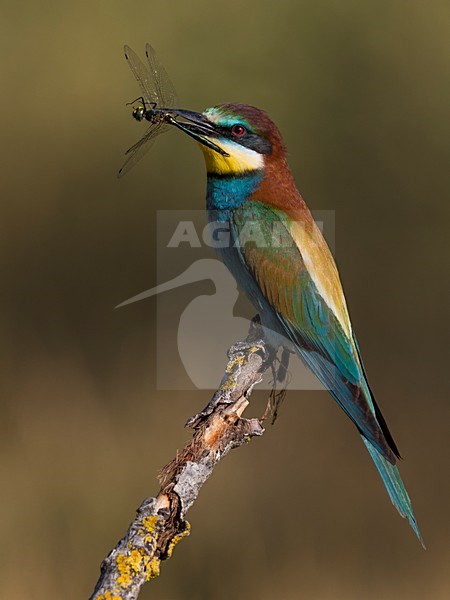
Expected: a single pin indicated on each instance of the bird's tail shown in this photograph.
(394, 485)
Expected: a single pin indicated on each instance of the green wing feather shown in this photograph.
(305, 317)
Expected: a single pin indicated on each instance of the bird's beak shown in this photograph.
(197, 126)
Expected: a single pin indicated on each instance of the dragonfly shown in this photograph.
(156, 104)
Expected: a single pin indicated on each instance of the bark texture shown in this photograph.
(160, 521)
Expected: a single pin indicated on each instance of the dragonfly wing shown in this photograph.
(140, 148)
(144, 77)
(167, 96)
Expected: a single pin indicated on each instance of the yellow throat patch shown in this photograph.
(240, 158)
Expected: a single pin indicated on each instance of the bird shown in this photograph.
(281, 261)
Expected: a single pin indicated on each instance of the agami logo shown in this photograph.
(208, 323)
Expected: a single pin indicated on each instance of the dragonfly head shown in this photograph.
(139, 113)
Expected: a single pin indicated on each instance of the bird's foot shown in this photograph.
(276, 399)
(280, 376)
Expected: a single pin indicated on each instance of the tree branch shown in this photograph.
(160, 522)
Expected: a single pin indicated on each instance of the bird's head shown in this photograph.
(234, 138)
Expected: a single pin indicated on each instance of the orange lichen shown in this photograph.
(177, 538)
(152, 568)
(150, 523)
(128, 566)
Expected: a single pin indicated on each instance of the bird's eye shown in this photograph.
(238, 130)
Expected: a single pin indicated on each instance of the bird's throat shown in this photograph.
(225, 192)
(236, 160)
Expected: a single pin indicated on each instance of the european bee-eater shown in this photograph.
(294, 284)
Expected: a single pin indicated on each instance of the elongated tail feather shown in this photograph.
(395, 488)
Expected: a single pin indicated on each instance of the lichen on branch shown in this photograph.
(160, 521)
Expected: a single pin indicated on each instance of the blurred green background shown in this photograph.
(361, 92)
